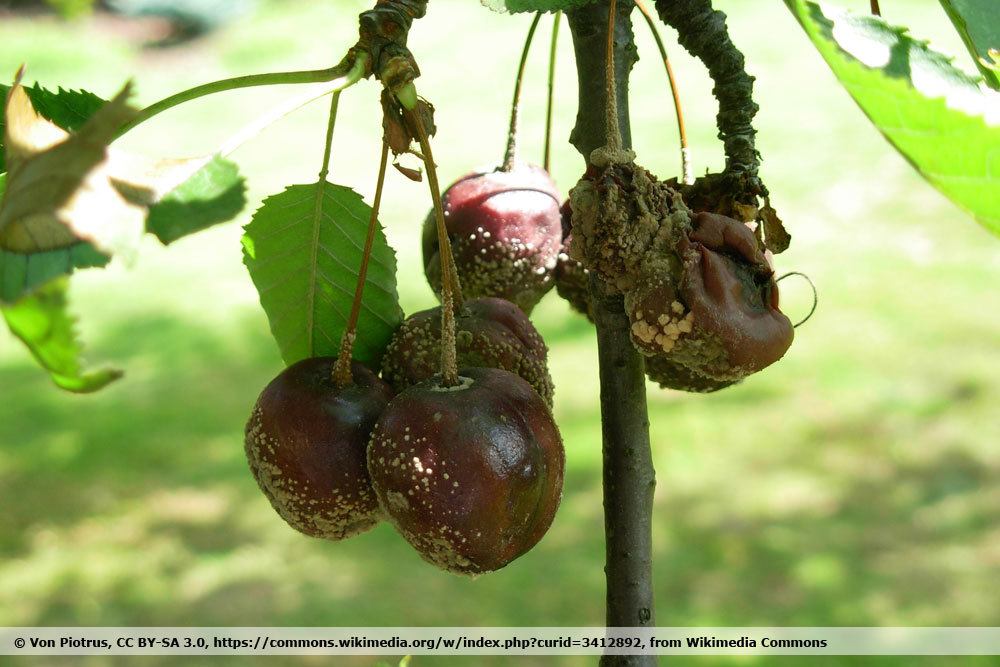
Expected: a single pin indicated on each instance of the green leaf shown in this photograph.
(978, 22)
(216, 193)
(69, 109)
(942, 120)
(303, 249)
(22, 274)
(43, 323)
(517, 6)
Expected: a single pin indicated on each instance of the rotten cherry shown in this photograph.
(490, 333)
(306, 444)
(505, 234)
(471, 475)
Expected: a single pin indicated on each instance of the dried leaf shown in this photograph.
(65, 188)
(397, 129)
(416, 175)
(59, 186)
(776, 237)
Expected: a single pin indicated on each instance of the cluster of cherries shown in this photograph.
(470, 473)
(465, 459)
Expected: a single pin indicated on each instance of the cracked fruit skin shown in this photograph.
(470, 475)
(306, 444)
(506, 234)
(489, 332)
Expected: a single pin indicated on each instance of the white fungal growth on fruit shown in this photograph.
(666, 329)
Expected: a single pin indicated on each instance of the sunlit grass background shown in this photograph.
(857, 482)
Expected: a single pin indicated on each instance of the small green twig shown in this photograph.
(344, 75)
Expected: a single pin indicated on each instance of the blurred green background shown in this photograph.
(857, 482)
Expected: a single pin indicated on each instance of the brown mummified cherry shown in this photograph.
(698, 289)
(669, 374)
(471, 475)
(306, 444)
(490, 333)
(505, 234)
(721, 319)
(572, 277)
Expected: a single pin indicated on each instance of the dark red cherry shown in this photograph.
(306, 443)
(490, 333)
(505, 234)
(470, 475)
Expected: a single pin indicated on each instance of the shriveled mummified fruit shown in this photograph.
(470, 475)
(490, 333)
(505, 235)
(306, 443)
(671, 375)
(572, 277)
(700, 295)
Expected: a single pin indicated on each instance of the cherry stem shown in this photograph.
(342, 374)
(451, 290)
(687, 171)
(812, 285)
(550, 103)
(613, 133)
(875, 8)
(320, 190)
(510, 156)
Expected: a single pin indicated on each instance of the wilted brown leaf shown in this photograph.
(776, 237)
(63, 188)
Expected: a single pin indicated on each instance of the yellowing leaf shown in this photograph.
(59, 186)
(66, 188)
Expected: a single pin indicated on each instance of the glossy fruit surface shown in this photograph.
(505, 233)
(470, 475)
(306, 444)
(490, 333)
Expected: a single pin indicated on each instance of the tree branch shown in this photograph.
(629, 478)
(702, 31)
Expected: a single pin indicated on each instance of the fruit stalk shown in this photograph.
(687, 170)
(550, 100)
(702, 31)
(342, 371)
(510, 154)
(589, 33)
(629, 478)
(451, 291)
